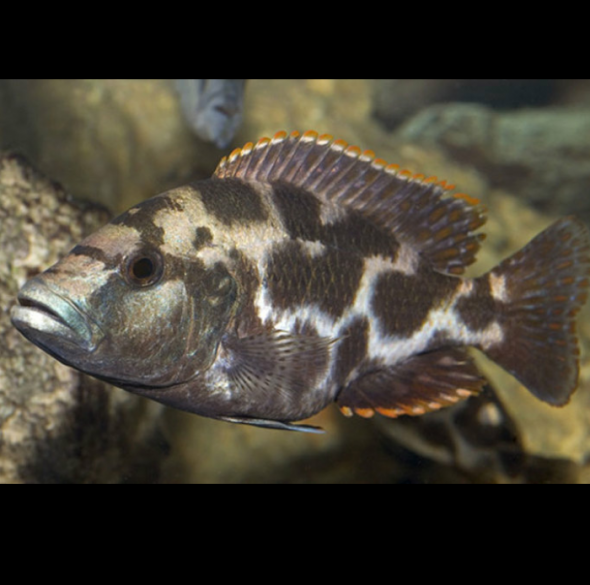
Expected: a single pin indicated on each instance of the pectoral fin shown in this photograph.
(275, 363)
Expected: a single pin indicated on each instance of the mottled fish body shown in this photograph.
(306, 272)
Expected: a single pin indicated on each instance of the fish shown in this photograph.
(212, 107)
(307, 272)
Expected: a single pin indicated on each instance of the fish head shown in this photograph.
(125, 307)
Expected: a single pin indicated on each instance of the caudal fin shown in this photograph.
(538, 292)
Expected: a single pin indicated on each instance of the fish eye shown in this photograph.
(144, 268)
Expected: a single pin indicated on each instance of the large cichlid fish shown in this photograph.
(306, 272)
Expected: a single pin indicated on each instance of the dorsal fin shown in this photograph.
(413, 207)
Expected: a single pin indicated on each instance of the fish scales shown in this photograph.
(306, 272)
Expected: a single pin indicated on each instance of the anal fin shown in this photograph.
(423, 383)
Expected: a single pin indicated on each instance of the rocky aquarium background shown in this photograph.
(523, 147)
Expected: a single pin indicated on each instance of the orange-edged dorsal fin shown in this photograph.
(419, 211)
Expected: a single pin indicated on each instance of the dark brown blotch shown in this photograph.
(351, 350)
(141, 218)
(247, 319)
(299, 211)
(97, 254)
(357, 232)
(330, 280)
(231, 201)
(402, 302)
(439, 338)
(478, 309)
(203, 237)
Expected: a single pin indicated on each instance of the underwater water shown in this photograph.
(90, 149)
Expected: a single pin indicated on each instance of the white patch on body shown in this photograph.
(465, 288)
(391, 349)
(216, 380)
(331, 213)
(406, 261)
(314, 249)
(498, 287)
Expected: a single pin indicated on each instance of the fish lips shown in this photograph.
(52, 321)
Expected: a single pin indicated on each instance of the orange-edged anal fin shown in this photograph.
(417, 210)
(423, 383)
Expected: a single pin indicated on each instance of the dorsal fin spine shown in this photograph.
(277, 143)
(334, 178)
(304, 160)
(369, 176)
(283, 161)
(245, 160)
(298, 160)
(309, 136)
(259, 155)
(331, 157)
(279, 137)
(306, 175)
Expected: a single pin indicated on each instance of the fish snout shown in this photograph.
(51, 320)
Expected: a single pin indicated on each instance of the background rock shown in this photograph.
(397, 100)
(112, 141)
(57, 425)
(541, 155)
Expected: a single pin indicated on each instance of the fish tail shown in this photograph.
(536, 294)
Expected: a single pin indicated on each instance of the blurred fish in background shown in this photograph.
(212, 107)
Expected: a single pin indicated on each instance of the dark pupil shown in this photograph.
(143, 269)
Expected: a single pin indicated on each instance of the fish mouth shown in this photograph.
(50, 320)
